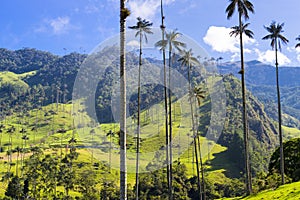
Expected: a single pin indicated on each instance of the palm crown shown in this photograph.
(236, 30)
(143, 27)
(243, 7)
(187, 58)
(298, 45)
(171, 41)
(275, 35)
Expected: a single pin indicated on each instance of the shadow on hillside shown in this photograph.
(222, 161)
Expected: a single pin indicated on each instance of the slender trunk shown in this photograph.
(279, 117)
(245, 121)
(57, 99)
(1, 134)
(123, 165)
(170, 123)
(92, 149)
(166, 99)
(138, 122)
(194, 136)
(200, 155)
(110, 153)
(17, 165)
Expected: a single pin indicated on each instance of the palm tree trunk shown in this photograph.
(138, 123)
(110, 153)
(170, 123)
(17, 165)
(166, 99)
(123, 166)
(195, 137)
(279, 118)
(245, 121)
(200, 156)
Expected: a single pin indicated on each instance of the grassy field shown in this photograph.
(286, 192)
(14, 80)
(54, 125)
(290, 133)
(95, 145)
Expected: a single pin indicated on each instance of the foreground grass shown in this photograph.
(285, 192)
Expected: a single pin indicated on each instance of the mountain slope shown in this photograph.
(260, 80)
(262, 131)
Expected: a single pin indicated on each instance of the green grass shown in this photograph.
(15, 80)
(95, 147)
(285, 192)
(290, 133)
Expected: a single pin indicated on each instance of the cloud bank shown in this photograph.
(146, 9)
(219, 40)
(269, 57)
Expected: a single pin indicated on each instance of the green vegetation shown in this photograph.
(40, 116)
(287, 191)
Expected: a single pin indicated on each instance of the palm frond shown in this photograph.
(162, 44)
(275, 35)
(236, 31)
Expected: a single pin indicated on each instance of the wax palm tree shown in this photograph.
(18, 150)
(110, 134)
(163, 49)
(124, 13)
(298, 39)
(199, 94)
(143, 28)
(172, 44)
(188, 61)
(243, 7)
(276, 37)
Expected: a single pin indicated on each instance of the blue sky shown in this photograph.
(64, 26)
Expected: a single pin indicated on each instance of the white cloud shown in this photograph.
(269, 57)
(294, 51)
(219, 39)
(146, 9)
(60, 25)
(133, 43)
(57, 26)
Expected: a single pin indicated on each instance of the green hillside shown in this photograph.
(285, 192)
(38, 113)
(12, 82)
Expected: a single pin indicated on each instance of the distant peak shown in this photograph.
(254, 62)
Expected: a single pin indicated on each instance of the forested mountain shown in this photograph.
(55, 75)
(260, 80)
(30, 80)
(262, 131)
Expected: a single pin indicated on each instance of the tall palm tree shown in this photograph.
(276, 37)
(298, 45)
(124, 13)
(188, 60)
(199, 95)
(243, 7)
(110, 134)
(173, 44)
(143, 28)
(162, 26)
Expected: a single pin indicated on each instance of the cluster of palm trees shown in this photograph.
(170, 43)
(169, 40)
(275, 31)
